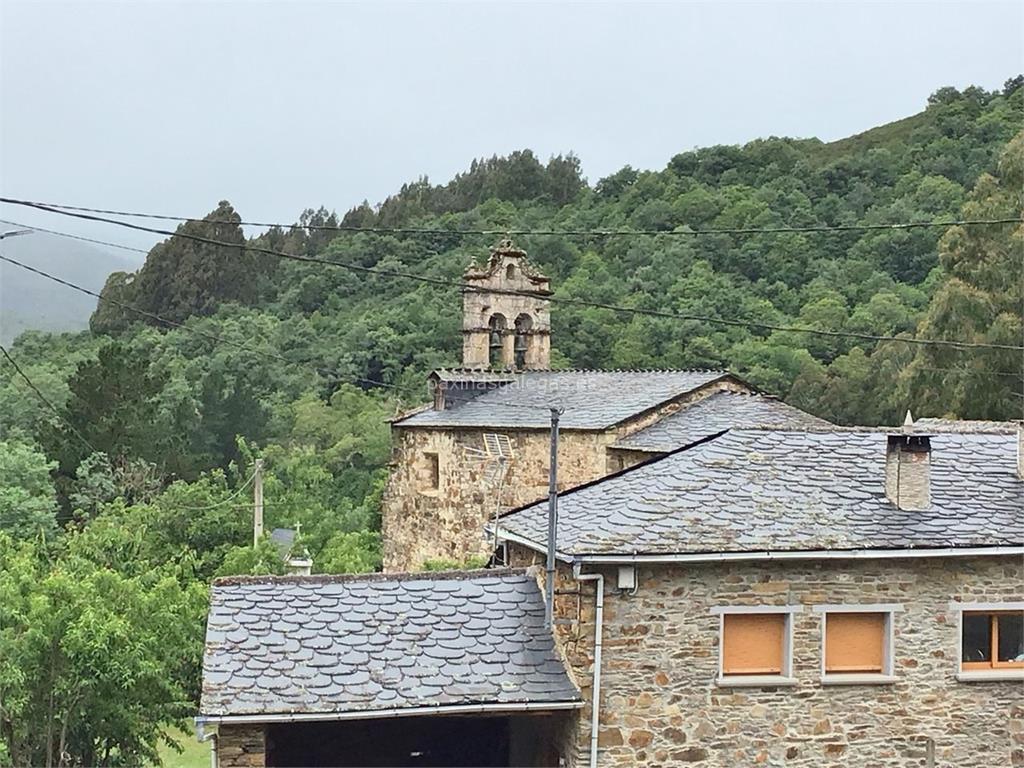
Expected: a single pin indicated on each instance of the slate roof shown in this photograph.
(965, 425)
(783, 490)
(591, 400)
(714, 414)
(330, 644)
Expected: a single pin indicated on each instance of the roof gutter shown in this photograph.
(453, 709)
(808, 554)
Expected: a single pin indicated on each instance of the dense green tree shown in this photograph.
(110, 408)
(97, 665)
(28, 501)
(979, 301)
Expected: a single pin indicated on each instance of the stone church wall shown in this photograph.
(421, 523)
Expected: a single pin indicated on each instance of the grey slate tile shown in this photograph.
(414, 654)
(786, 489)
(591, 399)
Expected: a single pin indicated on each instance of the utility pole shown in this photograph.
(549, 582)
(257, 498)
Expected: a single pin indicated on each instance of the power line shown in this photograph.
(221, 340)
(45, 400)
(448, 283)
(222, 502)
(75, 237)
(689, 232)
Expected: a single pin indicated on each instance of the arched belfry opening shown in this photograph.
(496, 340)
(506, 287)
(523, 329)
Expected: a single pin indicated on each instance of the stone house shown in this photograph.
(445, 484)
(796, 597)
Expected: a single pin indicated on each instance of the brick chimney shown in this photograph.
(908, 467)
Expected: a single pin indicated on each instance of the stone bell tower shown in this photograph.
(503, 331)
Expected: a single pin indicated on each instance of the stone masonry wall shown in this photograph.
(661, 706)
(420, 523)
(241, 746)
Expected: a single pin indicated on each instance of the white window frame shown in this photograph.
(757, 681)
(981, 675)
(888, 673)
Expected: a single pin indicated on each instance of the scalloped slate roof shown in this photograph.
(591, 399)
(761, 490)
(323, 644)
(714, 414)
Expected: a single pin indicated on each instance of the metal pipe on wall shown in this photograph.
(595, 690)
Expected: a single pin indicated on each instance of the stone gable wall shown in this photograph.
(661, 706)
(241, 746)
(420, 524)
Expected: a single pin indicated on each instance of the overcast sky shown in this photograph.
(170, 106)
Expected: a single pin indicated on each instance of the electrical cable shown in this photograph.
(953, 344)
(46, 400)
(689, 232)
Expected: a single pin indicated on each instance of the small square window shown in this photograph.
(856, 643)
(754, 644)
(992, 640)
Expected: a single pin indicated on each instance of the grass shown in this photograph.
(196, 754)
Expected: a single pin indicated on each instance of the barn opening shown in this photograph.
(436, 740)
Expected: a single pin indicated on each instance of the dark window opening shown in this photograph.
(433, 471)
(510, 271)
(497, 325)
(992, 640)
(524, 324)
(977, 637)
(1011, 637)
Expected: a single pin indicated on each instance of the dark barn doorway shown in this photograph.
(436, 741)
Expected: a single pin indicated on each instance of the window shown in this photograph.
(432, 481)
(857, 643)
(992, 640)
(755, 645)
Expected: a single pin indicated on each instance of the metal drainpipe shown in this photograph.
(595, 704)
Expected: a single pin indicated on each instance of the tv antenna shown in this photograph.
(496, 457)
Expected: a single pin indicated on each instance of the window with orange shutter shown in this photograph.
(754, 643)
(856, 643)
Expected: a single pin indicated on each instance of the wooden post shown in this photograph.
(257, 494)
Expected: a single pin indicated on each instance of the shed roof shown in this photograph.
(788, 490)
(714, 414)
(591, 400)
(329, 645)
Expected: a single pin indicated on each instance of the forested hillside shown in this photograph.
(28, 301)
(116, 514)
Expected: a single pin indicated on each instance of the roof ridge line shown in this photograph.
(345, 578)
